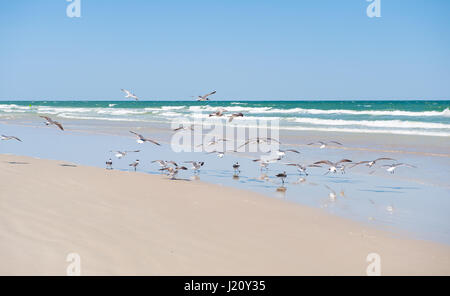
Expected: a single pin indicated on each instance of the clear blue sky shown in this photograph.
(244, 49)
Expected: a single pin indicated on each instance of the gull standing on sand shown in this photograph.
(129, 94)
(392, 167)
(324, 144)
(121, 154)
(49, 121)
(7, 138)
(333, 166)
(141, 139)
(371, 163)
(282, 176)
(109, 164)
(236, 167)
(134, 164)
(205, 97)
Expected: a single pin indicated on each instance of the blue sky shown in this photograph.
(244, 49)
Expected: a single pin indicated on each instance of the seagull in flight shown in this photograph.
(302, 168)
(333, 166)
(121, 154)
(282, 153)
(371, 163)
(173, 172)
(324, 144)
(234, 115)
(218, 113)
(7, 138)
(392, 167)
(129, 94)
(141, 139)
(49, 121)
(164, 164)
(196, 165)
(205, 97)
(264, 163)
(259, 140)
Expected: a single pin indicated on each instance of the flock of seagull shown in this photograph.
(172, 168)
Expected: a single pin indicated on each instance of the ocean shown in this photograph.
(426, 118)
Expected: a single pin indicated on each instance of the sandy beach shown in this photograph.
(124, 223)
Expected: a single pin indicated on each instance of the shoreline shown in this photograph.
(134, 223)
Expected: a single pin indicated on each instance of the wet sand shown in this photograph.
(123, 223)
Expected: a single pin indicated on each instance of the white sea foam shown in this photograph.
(375, 123)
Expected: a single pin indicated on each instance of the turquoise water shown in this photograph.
(427, 118)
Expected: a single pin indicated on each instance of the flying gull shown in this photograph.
(141, 139)
(49, 121)
(333, 166)
(324, 144)
(205, 97)
(129, 94)
(392, 167)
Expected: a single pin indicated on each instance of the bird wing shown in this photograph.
(207, 95)
(325, 162)
(358, 163)
(343, 160)
(152, 141)
(46, 118)
(383, 158)
(58, 125)
(335, 142)
(293, 150)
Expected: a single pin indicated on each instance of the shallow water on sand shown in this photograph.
(415, 202)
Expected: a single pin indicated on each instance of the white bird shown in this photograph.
(324, 144)
(134, 164)
(333, 166)
(264, 163)
(196, 165)
(282, 153)
(205, 97)
(392, 167)
(129, 94)
(49, 121)
(121, 154)
(220, 154)
(302, 168)
(371, 163)
(173, 172)
(7, 138)
(141, 139)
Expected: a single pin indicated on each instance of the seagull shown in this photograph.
(325, 144)
(213, 142)
(121, 154)
(264, 163)
(49, 121)
(236, 167)
(302, 168)
(205, 97)
(234, 115)
(196, 165)
(371, 163)
(135, 164)
(220, 154)
(109, 164)
(165, 164)
(259, 140)
(182, 127)
(282, 153)
(218, 113)
(173, 172)
(141, 139)
(129, 94)
(391, 168)
(282, 176)
(7, 138)
(333, 166)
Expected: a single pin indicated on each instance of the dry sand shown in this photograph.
(138, 224)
